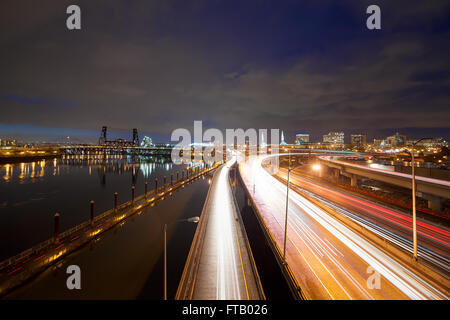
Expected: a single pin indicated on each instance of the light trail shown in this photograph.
(227, 267)
(337, 256)
(221, 274)
(395, 226)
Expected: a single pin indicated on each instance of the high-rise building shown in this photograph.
(302, 138)
(8, 143)
(358, 140)
(282, 139)
(397, 140)
(378, 142)
(146, 142)
(334, 138)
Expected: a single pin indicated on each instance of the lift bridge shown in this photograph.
(118, 146)
(103, 141)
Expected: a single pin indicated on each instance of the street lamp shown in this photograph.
(413, 187)
(193, 220)
(287, 206)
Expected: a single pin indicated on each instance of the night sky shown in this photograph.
(300, 66)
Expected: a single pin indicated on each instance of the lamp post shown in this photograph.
(193, 220)
(413, 188)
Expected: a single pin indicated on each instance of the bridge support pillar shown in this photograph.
(132, 193)
(434, 202)
(146, 190)
(336, 174)
(56, 228)
(115, 201)
(353, 180)
(92, 213)
(156, 187)
(171, 179)
(164, 184)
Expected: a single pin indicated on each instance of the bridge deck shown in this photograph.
(220, 264)
(437, 187)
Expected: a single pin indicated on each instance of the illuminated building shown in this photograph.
(397, 140)
(302, 138)
(336, 138)
(358, 140)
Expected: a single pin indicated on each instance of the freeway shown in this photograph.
(394, 225)
(220, 264)
(330, 260)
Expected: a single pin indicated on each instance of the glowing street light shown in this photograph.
(316, 167)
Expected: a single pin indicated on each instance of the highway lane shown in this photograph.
(224, 269)
(329, 260)
(394, 225)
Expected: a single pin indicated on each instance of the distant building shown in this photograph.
(282, 139)
(378, 142)
(358, 140)
(302, 138)
(397, 140)
(8, 143)
(336, 138)
(146, 142)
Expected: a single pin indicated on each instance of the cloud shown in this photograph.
(160, 65)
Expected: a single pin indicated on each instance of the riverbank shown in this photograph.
(19, 155)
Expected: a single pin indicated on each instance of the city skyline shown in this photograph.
(91, 137)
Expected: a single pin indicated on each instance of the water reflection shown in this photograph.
(31, 193)
(103, 165)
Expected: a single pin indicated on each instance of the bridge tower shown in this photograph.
(102, 139)
(135, 137)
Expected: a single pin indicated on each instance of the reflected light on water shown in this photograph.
(93, 163)
(147, 169)
(8, 172)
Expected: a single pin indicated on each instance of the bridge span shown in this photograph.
(220, 264)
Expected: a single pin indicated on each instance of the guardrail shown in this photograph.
(185, 290)
(259, 286)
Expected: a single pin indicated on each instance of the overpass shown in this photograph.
(433, 190)
(220, 263)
